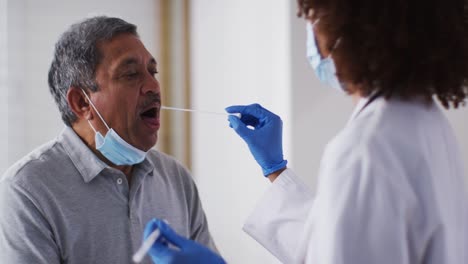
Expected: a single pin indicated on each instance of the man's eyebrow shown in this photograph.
(133, 61)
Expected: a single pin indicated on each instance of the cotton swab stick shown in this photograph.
(146, 246)
(196, 111)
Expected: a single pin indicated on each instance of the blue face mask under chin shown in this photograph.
(113, 147)
(324, 67)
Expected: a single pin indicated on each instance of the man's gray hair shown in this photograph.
(77, 55)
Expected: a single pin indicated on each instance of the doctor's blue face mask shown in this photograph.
(113, 147)
(324, 67)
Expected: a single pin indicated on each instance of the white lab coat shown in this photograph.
(390, 190)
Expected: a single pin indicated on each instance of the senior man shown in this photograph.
(85, 196)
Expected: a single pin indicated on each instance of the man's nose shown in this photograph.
(151, 85)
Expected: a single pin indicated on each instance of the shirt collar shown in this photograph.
(86, 162)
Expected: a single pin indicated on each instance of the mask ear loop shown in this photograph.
(337, 42)
(315, 22)
(95, 132)
(95, 109)
(312, 26)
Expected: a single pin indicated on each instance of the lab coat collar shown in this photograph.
(363, 103)
(359, 107)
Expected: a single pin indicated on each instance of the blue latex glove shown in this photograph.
(265, 141)
(187, 251)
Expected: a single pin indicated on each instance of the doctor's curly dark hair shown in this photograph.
(404, 48)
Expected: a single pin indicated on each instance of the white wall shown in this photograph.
(3, 86)
(33, 29)
(18, 70)
(240, 55)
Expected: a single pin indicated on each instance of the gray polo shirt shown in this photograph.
(62, 204)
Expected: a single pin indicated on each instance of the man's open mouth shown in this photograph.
(150, 113)
(150, 116)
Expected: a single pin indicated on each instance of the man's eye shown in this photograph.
(131, 75)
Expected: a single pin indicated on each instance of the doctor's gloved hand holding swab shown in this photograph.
(170, 247)
(263, 132)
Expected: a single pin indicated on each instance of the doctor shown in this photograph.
(391, 183)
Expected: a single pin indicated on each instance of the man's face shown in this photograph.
(129, 94)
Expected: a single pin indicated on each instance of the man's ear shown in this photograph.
(78, 103)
